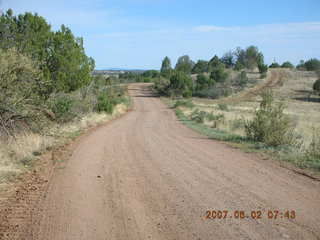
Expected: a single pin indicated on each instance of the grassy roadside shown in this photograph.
(285, 155)
(22, 153)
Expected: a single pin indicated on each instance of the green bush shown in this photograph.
(287, 65)
(312, 64)
(21, 88)
(183, 103)
(212, 117)
(237, 124)
(61, 106)
(147, 80)
(214, 92)
(263, 68)
(181, 84)
(105, 103)
(215, 119)
(204, 82)
(313, 151)
(316, 86)
(270, 125)
(242, 79)
(274, 65)
(223, 107)
(198, 116)
(161, 85)
(218, 74)
(238, 66)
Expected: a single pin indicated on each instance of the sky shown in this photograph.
(138, 34)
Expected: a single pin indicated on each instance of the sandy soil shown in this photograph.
(146, 176)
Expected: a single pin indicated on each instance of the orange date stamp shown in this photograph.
(254, 214)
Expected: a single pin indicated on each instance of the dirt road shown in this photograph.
(274, 79)
(146, 176)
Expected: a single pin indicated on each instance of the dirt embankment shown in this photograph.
(146, 176)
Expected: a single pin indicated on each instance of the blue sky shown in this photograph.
(139, 33)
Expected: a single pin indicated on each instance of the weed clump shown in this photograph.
(270, 125)
(61, 107)
(183, 103)
(313, 151)
(198, 116)
(223, 107)
(105, 103)
(238, 123)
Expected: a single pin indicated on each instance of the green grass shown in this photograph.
(207, 131)
(183, 103)
(75, 134)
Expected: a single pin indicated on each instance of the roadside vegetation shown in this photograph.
(238, 98)
(275, 121)
(47, 91)
(216, 78)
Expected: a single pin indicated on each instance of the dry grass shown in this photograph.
(292, 87)
(19, 154)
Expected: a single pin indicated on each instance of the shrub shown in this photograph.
(21, 88)
(216, 119)
(161, 85)
(313, 151)
(274, 65)
(61, 106)
(238, 66)
(223, 107)
(219, 74)
(270, 125)
(242, 80)
(198, 116)
(287, 65)
(183, 103)
(237, 124)
(203, 82)
(263, 68)
(316, 86)
(213, 117)
(180, 84)
(105, 103)
(147, 79)
(214, 92)
(312, 65)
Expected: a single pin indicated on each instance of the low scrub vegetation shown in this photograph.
(223, 107)
(47, 90)
(313, 151)
(198, 116)
(183, 103)
(268, 129)
(270, 125)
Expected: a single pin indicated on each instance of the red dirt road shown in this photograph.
(146, 176)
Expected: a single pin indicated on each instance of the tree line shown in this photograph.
(211, 75)
(211, 78)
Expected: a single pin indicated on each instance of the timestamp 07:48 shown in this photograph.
(254, 214)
